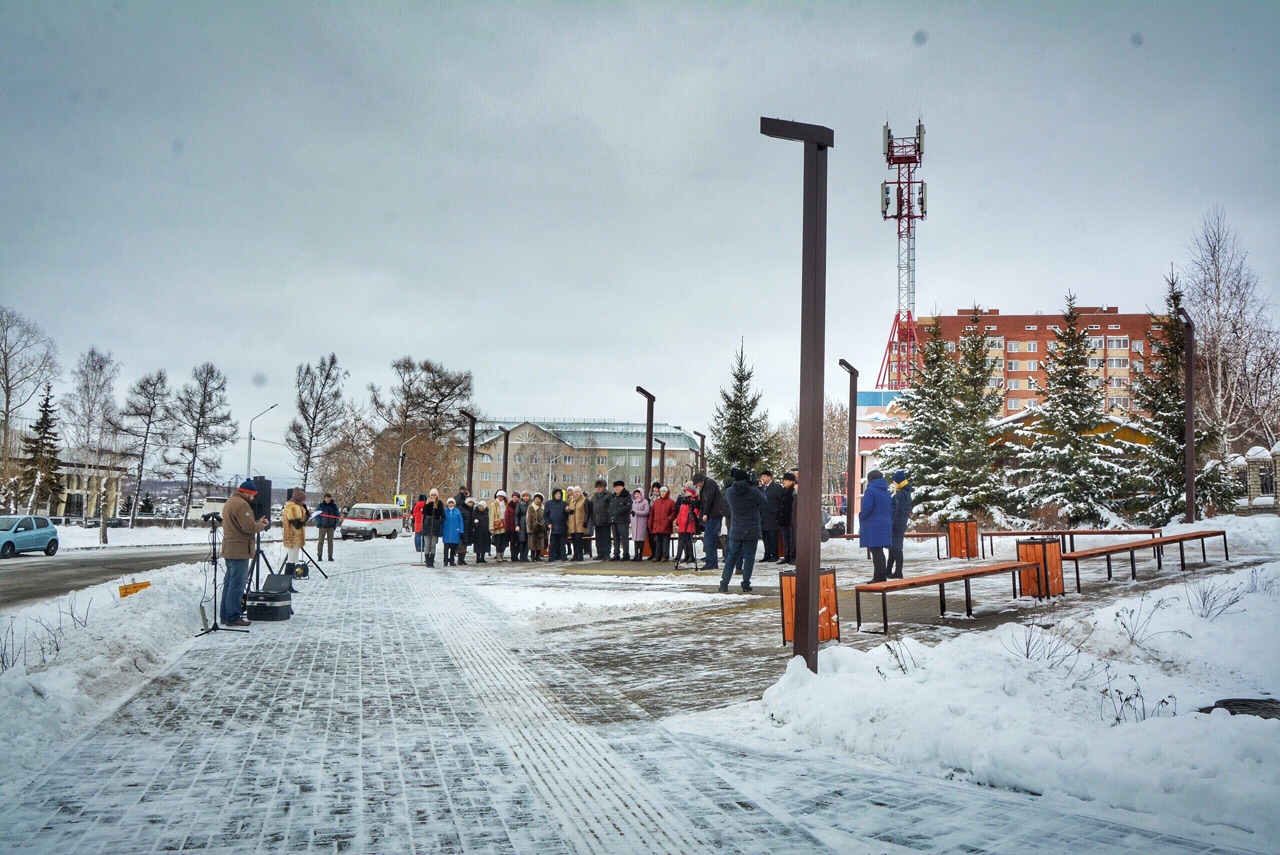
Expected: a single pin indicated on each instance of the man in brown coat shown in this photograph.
(239, 540)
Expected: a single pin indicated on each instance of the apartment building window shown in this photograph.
(970, 328)
(635, 461)
(1015, 403)
(1014, 346)
(486, 458)
(1095, 343)
(1118, 362)
(1033, 365)
(1138, 365)
(1014, 384)
(1030, 327)
(568, 459)
(1118, 343)
(601, 460)
(484, 494)
(1118, 382)
(996, 382)
(1121, 403)
(1095, 382)
(995, 364)
(566, 478)
(1094, 327)
(1157, 327)
(995, 344)
(1137, 346)
(1051, 346)
(619, 461)
(486, 476)
(1113, 326)
(519, 458)
(951, 347)
(1096, 362)
(1033, 346)
(1054, 327)
(1013, 365)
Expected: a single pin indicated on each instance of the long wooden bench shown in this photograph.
(1155, 544)
(940, 579)
(1067, 536)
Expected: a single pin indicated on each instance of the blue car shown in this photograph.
(27, 534)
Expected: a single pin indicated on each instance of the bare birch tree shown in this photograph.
(1236, 352)
(202, 428)
(320, 407)
(28, 360)
(89, 414)
(143, 425)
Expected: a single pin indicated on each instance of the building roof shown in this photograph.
(593, 433)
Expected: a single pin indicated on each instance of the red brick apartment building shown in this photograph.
(1019, 342)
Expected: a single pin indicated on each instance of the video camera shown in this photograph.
(212, 517)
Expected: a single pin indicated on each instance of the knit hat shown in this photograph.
(789, 476)
(248, 486)
(501, 494)
(663, 490)
(470, 500)
(434, 491)
(899, 476)
(873, 475)
(422, 497)
(481, 506)
(450, 501)
(691, 491)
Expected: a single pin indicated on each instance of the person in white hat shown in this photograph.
(498, 522)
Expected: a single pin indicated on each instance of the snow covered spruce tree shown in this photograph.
(740, 432)
(1159, 396)
(1063, 465)
(924, 436)
(971, 482)
(39, 485)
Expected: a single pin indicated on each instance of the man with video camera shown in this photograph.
(239, 539)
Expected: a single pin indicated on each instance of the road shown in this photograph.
(35, 576)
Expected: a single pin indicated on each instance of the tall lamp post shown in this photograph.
(702, 451)
(248, 463)
(662, 459)
(400, 460)
(471, 449)
(852, 477)
(813, 309)
(648, 440)
(1189, 412)
(506, 454)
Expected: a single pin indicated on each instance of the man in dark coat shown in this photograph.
(556, 515)
(460, 502)
(769, 521)
(712, 511)
(600, 519)
(875, 521)
(327, 517)
(620, 521)
(786, 518)
(747, 503)
(901, 516)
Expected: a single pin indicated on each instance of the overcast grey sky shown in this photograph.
(572, 199)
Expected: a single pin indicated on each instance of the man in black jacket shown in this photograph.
(327, 517)
(769, 516)
(713, 509)
(600, 519)
(620, 521)
(746, 504)
(787, 517)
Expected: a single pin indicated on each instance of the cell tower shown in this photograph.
(910, 201)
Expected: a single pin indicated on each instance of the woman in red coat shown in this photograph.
(662, 514)
(687, 523)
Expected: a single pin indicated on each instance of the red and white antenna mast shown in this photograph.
(909, 200)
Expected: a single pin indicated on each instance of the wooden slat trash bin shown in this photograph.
(1045, 580)
(828, 606)
(963, 540)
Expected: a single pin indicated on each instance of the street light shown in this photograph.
(662, 460)
(550, 460)
(813, 309)
(852, 475)
(1189, 413)
(248, 464)
(702, 451)
(648, 440)
(506, 454)
(400, 461)
(471, 449)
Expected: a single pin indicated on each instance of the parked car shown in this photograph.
(27, 534)
(369, 521)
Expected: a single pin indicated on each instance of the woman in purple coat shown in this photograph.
(639, 522)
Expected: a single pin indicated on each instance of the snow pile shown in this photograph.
(1018, 707)
(78, 657)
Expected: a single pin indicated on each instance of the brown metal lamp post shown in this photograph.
(662, 459)
(471, 449)
(702, 451)
(1189, 413)
(852, 477)
(648, 441)
(813, 309)
(506, 454)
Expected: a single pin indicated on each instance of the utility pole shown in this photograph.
(852, 477)
(1189, 412)
(648, 441)
(400, 461)
(471, 451)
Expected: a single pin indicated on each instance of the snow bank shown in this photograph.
(976, 708)
(51, 697)
(75, 537)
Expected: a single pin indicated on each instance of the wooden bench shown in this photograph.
(940, 579)
(938, 537)
(1066, 536)
(1155, 544)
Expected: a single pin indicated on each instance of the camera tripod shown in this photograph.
(213, 520)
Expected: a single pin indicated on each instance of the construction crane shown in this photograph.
(904, 199)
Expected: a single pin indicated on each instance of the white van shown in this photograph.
(369, 521)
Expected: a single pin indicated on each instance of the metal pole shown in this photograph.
(813, 305)
(400, 462)
(648, 441)
(852, 477)
(662, 460)
(1189, 413)
(702, 451)
(248, 463)
(471, 451)
(506, 454)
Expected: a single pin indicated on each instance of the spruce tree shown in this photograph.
(1061, 462)
(924, 435)
(40, 484)
(970, 483)
(740, 431)
(147, 505)
(1159, 396)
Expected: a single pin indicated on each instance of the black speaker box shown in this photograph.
(260, 605)
(261, 503)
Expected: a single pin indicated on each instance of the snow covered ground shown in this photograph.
(1064, 702)
(76, 537)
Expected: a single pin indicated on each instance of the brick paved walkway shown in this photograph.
(399, 712)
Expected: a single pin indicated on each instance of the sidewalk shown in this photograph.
(399, 711)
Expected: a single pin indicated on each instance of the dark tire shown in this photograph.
(343, 536)
(52, 547)
(7, 551)
(393, 534)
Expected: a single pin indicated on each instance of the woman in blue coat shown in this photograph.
(875, 518)
(901, 516)
(451, 532)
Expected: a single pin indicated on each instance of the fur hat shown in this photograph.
(501, 494)
(739, 474)
(619, 483)
(789, 476)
